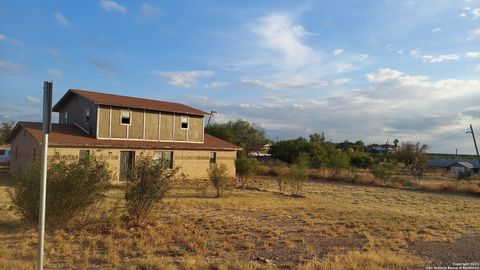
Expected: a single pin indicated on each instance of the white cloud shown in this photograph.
(342, 67)
(185, 79)
(363, 57)
(149, 11)
(477, 68)
(384, 74)
(215, 85)
(278, 32)
(341, 81)
(476, 13)
(10, 40)
(437, 29)
(291, 82)
(434, 59)
(472, 55)
(109, 5)
(12, 67)
(337, 52)
(61, 19)
(472, 34)
(55, 73)
(33, 100)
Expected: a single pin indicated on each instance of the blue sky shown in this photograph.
(370, 70)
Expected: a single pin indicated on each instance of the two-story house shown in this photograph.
(121, 129)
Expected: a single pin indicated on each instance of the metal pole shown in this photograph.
(475, 143)
(46, 127)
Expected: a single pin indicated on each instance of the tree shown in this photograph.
(298, 173)
(242, 133)
(148, 184)
(5, 129)
(412, 155)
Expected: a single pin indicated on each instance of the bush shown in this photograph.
(466, 175)
(73, 189)
(383, 171)
(148, 183)
(246, 168)
(297, 176)
(218, 176)
(281, 173)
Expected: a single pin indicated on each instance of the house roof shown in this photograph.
(445, 163)
(464, 164)
(73, 136)
(126, 101)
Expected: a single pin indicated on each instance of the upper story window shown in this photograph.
(125, 117)
(86, 113)
(65, 117)
(184, 122)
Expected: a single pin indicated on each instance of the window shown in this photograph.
(16, 153)
(86, 113)
(65, 117)
(84, 154)
(34, 153)
(213, 157)
(125, 117)
(165, 157)
(184, 122)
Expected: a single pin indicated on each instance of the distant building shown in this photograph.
(383, 148)
(263, 151)
(454, 166)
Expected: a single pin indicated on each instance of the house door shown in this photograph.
(127, 158)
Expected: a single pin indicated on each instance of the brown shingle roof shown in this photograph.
(72, 136)
(130, 102)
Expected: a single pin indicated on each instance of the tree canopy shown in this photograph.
(241, 132)
(5, 130)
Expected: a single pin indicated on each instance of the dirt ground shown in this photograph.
(332, 226)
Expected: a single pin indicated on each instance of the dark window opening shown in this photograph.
(34, 153)
(184, 122)
(16, 153)
(125, 117)
(87, 115)
(213, 157)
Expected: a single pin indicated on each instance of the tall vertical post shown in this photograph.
(46, 127)
(475, 143)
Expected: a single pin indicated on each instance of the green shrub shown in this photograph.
(148, 184)
(466, 175)
(246, 168)
(218, 176)
(383, 171)
(297, 176)
(73, 190)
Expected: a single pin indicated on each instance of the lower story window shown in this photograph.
(165, 157)
(213, 157)
(84, 154)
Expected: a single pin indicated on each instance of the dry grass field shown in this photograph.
(334, 226)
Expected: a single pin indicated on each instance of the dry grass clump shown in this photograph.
(374, 260)
(457, 186)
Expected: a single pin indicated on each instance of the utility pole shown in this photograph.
(475, 143)
(46, 128)
(210, 117)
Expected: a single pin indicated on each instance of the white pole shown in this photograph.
(43, 193)
(46, 127)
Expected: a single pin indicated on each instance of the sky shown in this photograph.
(357, 70)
